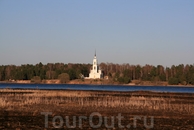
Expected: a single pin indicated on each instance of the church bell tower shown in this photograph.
(95, 64)
(95, 72)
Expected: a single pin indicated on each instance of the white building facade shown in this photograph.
(95, 72)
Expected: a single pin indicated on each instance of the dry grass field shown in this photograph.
(21, 108)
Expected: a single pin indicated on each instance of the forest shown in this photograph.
(122, 73)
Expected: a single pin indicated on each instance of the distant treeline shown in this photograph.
(123, 73)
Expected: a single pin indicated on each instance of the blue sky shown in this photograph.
(156, 32)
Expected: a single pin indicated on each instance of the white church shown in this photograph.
(95, 72)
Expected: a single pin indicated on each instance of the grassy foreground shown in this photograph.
(21, 109)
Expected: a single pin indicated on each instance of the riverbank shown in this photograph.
(25, 109)
(97, 82)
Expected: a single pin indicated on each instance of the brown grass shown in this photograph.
(28, 100)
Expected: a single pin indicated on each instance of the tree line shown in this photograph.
(123, 73)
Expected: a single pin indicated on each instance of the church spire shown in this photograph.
(95, 53)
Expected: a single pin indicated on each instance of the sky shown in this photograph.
(155, 32)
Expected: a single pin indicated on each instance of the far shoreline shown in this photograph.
(75, 82)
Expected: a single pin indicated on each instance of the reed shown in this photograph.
(12, 99)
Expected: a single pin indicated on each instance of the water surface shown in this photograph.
(177, 89)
